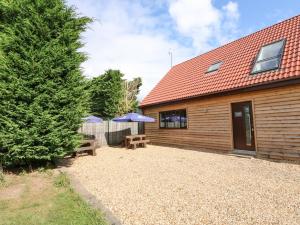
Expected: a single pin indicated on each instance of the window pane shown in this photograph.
(183, 119)
(270, 51)
(162, 120)
(173, 120)
(266, 65)
(169, 119)
(214, 67)
(247, 121)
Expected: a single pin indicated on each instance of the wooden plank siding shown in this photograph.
(276, 115)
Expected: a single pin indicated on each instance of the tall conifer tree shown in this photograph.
(42, 97)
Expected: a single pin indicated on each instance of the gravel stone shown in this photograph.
(162, 185)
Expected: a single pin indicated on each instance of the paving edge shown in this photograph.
(91, 199)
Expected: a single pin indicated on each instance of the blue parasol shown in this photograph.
(92, 119)
(134, 117)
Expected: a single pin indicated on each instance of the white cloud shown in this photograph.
(232, 10)
(196, 19)
(136, 37)
(204, 23)
(231, 19)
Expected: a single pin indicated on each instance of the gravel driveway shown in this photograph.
(161, 185)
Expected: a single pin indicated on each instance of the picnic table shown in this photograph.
(136, 140)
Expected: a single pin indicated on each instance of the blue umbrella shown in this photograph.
(134, 117)
(92, 119)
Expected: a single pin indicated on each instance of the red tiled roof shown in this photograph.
(188, 79)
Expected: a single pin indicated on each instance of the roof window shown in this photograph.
(269, 57)
(214, 67)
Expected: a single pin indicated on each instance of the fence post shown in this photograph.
(108, 133)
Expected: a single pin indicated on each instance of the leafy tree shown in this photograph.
(106, 94)
(112, 96)
(41, 87)
(131, 89)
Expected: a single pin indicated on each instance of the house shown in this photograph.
(242, 97)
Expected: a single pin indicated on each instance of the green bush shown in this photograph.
(42, 90)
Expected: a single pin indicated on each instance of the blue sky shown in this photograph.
(135, 36)
(257, 14)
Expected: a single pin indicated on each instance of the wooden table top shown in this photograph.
(136, 136)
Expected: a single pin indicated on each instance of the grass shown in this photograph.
(62, 181)
(44, 198)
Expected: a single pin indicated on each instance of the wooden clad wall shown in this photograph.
(276, 122)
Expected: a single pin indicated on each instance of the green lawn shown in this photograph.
(43, 198)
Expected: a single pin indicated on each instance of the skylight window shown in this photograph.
(214, 67)
(269, 57)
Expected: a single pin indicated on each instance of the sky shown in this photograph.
(137, 36)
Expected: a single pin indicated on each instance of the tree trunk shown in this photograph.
(29, 166)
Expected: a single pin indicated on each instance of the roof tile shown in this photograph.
(190, 79)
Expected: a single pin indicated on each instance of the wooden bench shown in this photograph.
(136, 143)
(88, 146)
